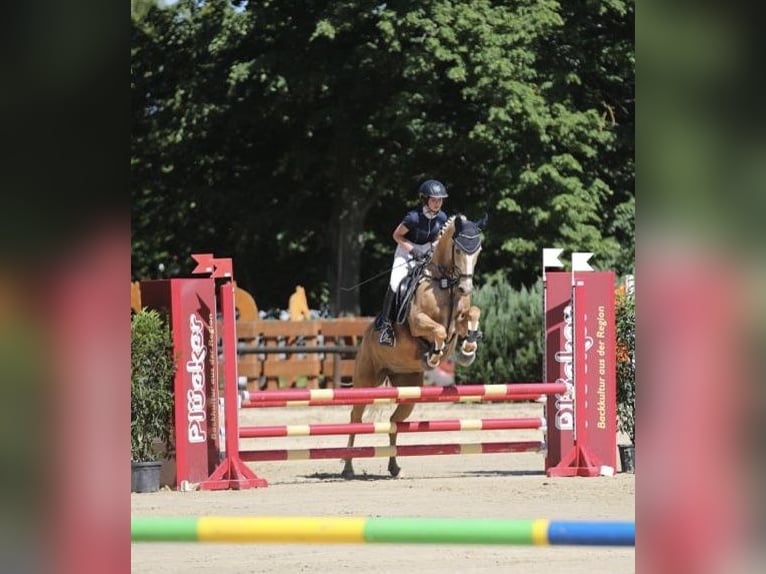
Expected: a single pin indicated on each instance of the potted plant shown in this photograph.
(625, 315)
(152, 370)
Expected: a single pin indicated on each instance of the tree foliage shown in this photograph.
(625, 318)
(511, 322)
(292, 135)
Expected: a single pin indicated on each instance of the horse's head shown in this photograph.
(458, 249)
(466, 246)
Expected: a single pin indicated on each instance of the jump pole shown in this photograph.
(447, 425)
(350, 530)
(389, 451)
(388, 401)
(505, 391)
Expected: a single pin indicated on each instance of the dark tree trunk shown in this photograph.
(347, 241)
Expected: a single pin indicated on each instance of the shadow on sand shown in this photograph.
(336, 477)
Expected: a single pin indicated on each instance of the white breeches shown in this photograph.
(400, 268)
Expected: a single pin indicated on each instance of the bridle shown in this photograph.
(450, 275)
(461, 275)
(456, 277)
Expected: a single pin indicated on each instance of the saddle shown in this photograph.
(406, 291)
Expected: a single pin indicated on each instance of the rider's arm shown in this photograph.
(399, 234)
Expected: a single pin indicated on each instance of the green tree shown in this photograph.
(625, 317)
(292, 135)
(511, 348)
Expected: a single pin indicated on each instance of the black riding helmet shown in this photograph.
(432, 188)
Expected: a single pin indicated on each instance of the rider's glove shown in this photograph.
(420, 252)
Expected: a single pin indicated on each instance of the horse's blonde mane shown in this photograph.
(449, 225)
(440, 251)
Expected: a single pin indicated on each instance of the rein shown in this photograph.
(384, 272)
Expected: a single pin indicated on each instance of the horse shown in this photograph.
(441, 322)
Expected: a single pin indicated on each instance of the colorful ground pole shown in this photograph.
(321, 530)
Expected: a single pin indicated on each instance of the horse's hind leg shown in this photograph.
(401, 413)
(364, 376)
(356, 417)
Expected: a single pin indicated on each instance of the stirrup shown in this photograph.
(387, 336)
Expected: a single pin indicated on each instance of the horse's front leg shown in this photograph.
(422, 325)
(468, 337)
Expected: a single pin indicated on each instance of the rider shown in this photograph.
(413, 236)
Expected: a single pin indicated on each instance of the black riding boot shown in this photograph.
(383, 321)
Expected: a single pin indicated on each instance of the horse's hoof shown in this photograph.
(430, 361)
(394, 470)
(468, 348)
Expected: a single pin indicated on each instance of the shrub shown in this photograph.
(152, 368)
(511, 321)
(625, 316)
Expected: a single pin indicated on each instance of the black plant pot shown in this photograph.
(145, 476)
(627, 457)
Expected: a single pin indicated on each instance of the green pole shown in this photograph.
(152, 529)
(449, 531)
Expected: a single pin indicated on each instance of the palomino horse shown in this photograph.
(441, 322)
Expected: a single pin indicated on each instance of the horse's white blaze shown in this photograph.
(473, 325)
(469, 263)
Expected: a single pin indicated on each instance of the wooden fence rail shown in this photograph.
(276, 354)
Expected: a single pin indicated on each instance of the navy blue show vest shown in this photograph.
(421, 229)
